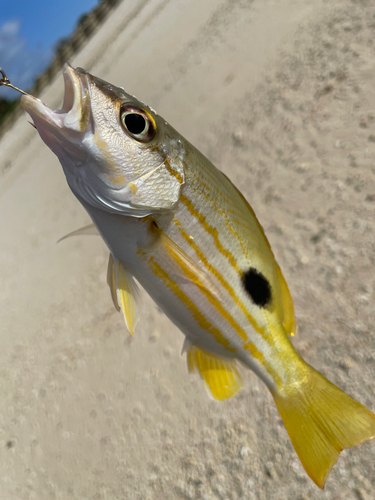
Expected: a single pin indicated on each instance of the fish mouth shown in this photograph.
(74, 115)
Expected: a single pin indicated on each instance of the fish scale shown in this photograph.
(180, 227)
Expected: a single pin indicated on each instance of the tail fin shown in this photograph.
(321, 421)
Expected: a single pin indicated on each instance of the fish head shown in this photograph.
(117, 153)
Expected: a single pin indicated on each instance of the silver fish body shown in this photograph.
(239, 329)
(184, 231)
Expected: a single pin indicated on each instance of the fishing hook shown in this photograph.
(6, 82)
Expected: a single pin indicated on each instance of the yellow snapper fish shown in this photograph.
(180, 227)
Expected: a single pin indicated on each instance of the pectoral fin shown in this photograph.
(123, 291)
(185, 267)
(89, 229)
(221, 376)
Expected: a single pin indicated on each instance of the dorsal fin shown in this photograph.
(285, 305)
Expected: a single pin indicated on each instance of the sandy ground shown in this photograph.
(280, 94)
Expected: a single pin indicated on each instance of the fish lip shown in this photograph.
(75, 112)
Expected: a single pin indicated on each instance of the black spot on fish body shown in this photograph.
(257, 286)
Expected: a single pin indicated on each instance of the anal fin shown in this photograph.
(220, 375)
(123, 291)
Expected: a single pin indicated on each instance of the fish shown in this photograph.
(179, 227)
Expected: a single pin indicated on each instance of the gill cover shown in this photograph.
(116, 153)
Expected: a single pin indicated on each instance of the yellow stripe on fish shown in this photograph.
(198, 316)
(190, 271)
(224, 283)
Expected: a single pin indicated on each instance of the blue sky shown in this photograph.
(29, 30)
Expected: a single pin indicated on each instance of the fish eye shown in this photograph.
(137, 123)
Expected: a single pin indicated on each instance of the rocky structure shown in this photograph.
(85, 29)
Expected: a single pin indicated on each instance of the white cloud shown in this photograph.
(21, 63)
(10, 28)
